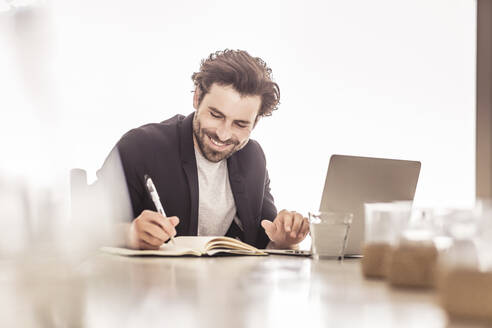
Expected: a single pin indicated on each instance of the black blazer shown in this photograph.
(165, 151)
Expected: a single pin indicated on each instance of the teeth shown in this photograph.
(217, 143)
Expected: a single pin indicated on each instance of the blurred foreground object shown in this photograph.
(384, 222)
(467, 294)
(412, 262)
(465, 275)
(11, 5)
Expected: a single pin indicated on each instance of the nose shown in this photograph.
(224, 132)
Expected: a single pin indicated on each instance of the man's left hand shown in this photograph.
(287, 230)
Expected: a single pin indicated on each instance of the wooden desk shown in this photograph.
(273, 291)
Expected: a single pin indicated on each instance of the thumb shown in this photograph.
(270, 227)
(174, 220)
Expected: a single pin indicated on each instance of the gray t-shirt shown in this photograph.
(216, 206)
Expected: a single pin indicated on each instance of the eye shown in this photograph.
(214, 115)
(241, 125)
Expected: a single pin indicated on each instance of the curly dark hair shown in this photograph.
(250, 76)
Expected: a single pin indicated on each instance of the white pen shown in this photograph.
(155, 197)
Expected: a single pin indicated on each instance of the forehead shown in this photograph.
(231, 103)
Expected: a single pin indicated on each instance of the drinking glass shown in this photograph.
(329, 233)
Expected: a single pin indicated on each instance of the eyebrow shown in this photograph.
(215, 110)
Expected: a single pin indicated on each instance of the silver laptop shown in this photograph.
(352, 181)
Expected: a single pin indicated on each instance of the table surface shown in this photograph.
(275, 290)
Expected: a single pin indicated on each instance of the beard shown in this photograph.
(212, 155)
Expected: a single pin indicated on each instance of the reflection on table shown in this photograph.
(113, 291)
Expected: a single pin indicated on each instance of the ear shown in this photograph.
(196, 97)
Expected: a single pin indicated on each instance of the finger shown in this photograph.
(149, 239)
(168, 226)
(154, 217)
(164, 223)
(145, 245)
(296, 225)
(155, 231)
(151, 217)
(305, 227)
(174, 220)
(287, 221)
(270, 228)
(279, 224)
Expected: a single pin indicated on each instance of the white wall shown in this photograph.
(378, 78)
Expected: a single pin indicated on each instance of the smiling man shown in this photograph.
(211, 178)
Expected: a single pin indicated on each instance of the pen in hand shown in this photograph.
(155, 197)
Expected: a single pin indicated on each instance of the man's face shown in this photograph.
(223, 121)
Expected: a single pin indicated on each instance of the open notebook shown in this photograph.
(191, 245)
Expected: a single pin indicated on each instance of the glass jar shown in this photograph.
(412, 262)
(465, 286)
(383, 224)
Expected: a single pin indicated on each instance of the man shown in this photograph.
(211, 178)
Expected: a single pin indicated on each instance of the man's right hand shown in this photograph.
(150, 230)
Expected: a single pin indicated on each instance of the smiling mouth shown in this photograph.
(218, 143)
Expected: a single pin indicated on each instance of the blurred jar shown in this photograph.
(14, 215)
(483, 239)
(461, 227)
(412, 262)
(465, 278)
(383, 225)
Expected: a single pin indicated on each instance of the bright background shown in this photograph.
(384, 78)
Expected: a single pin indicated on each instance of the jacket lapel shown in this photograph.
(241, 199)
(189, 166)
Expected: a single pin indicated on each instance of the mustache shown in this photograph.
(216, 137)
